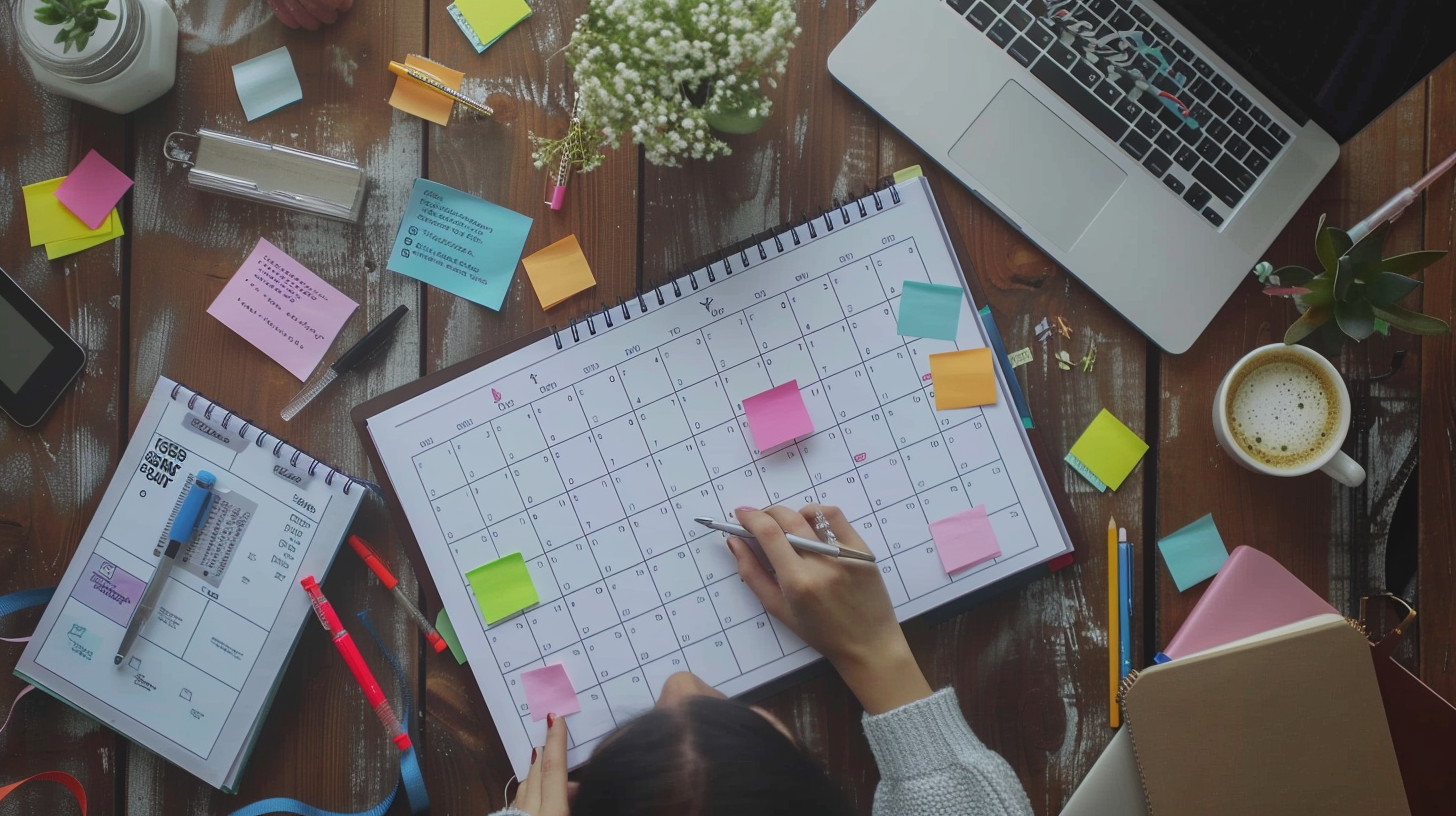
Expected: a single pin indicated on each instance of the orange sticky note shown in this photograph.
(416, 98)
(963, 379)
(559, 271)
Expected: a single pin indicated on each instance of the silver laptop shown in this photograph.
(1153, 163)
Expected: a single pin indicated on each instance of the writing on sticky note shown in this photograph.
(47, 218)
(930, 310)
(417, 99)
(777, 416)
(489, 19)
(965, 539)
(559, 271)
(92, 189)
(963, 379)
(1109, 449)
(549, 691)
(502, 587)
(1194, 553)
(266, 83)
(457, 242)
(446, 628)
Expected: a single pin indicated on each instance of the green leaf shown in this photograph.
(1364, 256)
(61, 36)
(1344, 276)
(1413, 322)
(1356, 318)
(50, 15)
(1293, 275)
(1382, 327)
(105, 15)
(1412, 262)
(1324, 246)
(82, 40)
(1307, 323)
(1388, 287)
(1321, 291)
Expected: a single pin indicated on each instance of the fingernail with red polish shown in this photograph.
(550, 721)
(533, 756)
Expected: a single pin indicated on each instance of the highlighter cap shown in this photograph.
(436, 641)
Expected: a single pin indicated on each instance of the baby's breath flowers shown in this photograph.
(660, 71)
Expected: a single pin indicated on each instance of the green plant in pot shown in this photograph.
(1356, 292)
(77, 20)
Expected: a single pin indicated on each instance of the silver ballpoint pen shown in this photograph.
(798, 542)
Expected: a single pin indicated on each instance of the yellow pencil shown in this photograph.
(433, 83)
(1114, 614)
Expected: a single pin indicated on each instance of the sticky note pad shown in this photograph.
(464, 26)
(1085, 472)
(1109, 449)
(559, 271)
(110, 230)
(1194, 553)
(446, 628)
(457, 242)
(47, 218)
(777, 416)
(267, 83)
(491, 18)
(929, 310)
(502, 587)
(963, 379)
(549, 691)
(418, 100)
(965, 539)
(92, 189)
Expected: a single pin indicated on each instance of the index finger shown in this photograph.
(770, 536)
(553, 769)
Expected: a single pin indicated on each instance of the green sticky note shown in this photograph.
(929, 310)
(446, 629)
(1109, 449)
(502, 587)
(1194, 553)
(491, 18)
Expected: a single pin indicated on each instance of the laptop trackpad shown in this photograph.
(1046, 172)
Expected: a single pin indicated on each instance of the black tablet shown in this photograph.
(37, 358)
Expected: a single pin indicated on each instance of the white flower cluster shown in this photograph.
(654, 70)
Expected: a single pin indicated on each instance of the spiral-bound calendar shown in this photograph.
(591, 450)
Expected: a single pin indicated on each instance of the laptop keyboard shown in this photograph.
(1186, 123)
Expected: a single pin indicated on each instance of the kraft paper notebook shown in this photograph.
(590, 450)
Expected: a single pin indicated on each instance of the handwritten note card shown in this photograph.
(965, 539)
(1194, 553)
(930, 310)
(549, 691)
(459, 243)
(1109, 449)
(278, 305)
(777, 416)
(267, 83)
(503, 587)
(963, 379)
(418, 100)
(92, 189)
(559, 271)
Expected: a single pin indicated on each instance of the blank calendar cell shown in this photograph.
(516, 535)
(511, 643)
(893, 375)
(903, 524)
(555, 523)
(680, 467)
(439, 471)
(885, 479)
(712, 659)
(577, 459)
(628, 695)
(615, 548)
(594, 719)
(790, 362)
(687, 359)
(664, 667)
(896, 264)
(602, 397)
(825, 456)
(705, 404)
(1013, 531)
(893, 583)
(632, 591)
(537, 479)
(543, 579)
(657, 530)
(645, 379)
(741, 488)
(730, 342)
(478, 453)
(851, 393)
(573, 566)
(928, 463)
(921, 570)
(662, 424)
(875, 331)
(833, 349)
(610, 653)
(693, 618)
(552, 627)
(815, 305)
(911, 418)
(857, 286)
(592, 609)
(784, 476)
(651, 635)
(868, 436)
(497, 497)
(846, 493)
(754, 643)
(971, 446)
(788, 641)
(674, 573)
(701, 501)
(457, 514)
(723, 448)
(772, 323)
(620, 442)
(745, 381)
(989, 485)
(733, 601)
(559, 416)
(519, 435)
(596, 505)
(713, 558)
(638, 486)
(944, 500)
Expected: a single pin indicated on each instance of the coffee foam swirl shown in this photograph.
(1283, 412)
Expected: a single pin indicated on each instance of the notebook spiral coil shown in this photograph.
(281, 447)
(725, 259)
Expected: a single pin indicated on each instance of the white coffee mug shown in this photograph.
(1285, 411)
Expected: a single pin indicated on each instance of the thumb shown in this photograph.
(759, 581)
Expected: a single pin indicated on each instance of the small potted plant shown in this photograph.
(115, 54)
(75, 20)
(1356, 292)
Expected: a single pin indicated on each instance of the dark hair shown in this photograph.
(705, 757)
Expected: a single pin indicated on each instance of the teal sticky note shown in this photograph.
(1086, 473)
(1194, 553)
(266, 83)
(930, 310)
(467, 29)
(460, 243)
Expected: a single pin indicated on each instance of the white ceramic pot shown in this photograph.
(129, 61)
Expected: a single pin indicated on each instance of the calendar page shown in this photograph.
(591, 452)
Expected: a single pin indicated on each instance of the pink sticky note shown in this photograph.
(965, 539)
(278, 305)
(777, 415)
(92, 189)
(549, 691)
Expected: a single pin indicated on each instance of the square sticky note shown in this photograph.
(110, 230)
(502, 587)
(777, 416)
(47, 218)
(1194, 553)
(267, 83)
(965, 539)
(1109, 449)
(446, 628)
(929, 310)
(92, 189)
(439, 223)
(418, 100)
(559, 271)
(464, 26)
(963, 379)
(549, 691)
(489, 19)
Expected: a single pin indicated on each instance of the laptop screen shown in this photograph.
(1339, 62)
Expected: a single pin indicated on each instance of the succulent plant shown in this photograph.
(77, 19)
(1355, 293)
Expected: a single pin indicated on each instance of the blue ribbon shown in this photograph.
(24, 599)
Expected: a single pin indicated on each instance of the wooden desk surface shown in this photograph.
(1029, 666)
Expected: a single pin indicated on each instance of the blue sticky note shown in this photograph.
(267, 83)
(457, 242)
(930, 310)
(1194, 553)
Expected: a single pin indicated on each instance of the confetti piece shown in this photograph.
(1020, 358)
(1064, 327)
(1064, 361)
(1043, 330)
(1089, 359)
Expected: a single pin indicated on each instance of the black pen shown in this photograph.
(359, 352)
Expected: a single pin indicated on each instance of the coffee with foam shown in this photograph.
(1283, 411)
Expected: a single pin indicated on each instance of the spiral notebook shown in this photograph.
(590, 450)
(199, 679)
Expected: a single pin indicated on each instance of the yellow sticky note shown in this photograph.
(963, 379)
(502, 587)
(1109, 449)
(110, 231)
(48, 218)
(492, 18)
(904, 174)
(559, 271)
(417, 99)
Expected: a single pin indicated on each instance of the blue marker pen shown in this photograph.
(192, 515)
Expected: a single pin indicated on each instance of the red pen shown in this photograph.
(391, 583)
(355, 661)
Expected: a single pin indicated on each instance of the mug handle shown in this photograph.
(1344, 470)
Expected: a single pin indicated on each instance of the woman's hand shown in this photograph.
(544, 791)
(309, 14)
(838, 606)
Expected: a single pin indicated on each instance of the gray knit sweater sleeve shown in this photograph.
(932, 764)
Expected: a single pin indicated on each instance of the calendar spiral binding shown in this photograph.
(281, 447)
(687, 281)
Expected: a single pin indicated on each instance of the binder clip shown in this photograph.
(269, 174)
